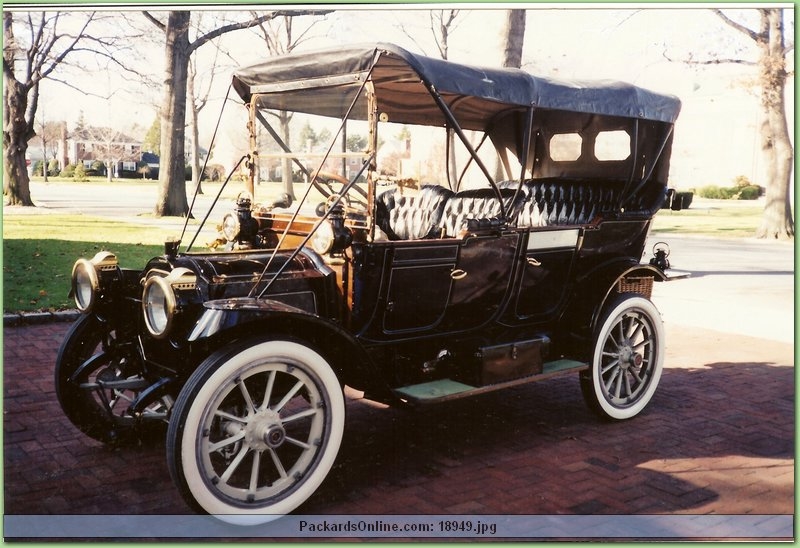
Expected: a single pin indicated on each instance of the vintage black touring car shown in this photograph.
(464, 230)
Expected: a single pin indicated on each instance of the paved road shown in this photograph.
(743, 286)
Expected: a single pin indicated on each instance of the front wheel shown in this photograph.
(255, 430)
(627, 360)
(97, 377)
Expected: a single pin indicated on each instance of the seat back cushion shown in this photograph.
(411, 215)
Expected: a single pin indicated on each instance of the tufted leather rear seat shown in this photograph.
(571, 202)
(436, 211)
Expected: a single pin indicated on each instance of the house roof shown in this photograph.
(93, 134)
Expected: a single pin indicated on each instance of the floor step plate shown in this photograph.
(433, 390)
(561, 365)
(447, 389)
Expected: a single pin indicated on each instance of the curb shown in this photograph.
(38, 318)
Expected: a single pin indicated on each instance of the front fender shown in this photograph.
(224, 314)
(230, 319)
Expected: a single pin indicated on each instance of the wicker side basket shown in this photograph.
(636, 284)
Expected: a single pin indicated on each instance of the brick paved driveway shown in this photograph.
(718, 438)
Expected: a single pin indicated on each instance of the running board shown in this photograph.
(447, 389)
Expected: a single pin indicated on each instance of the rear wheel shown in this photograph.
(627, 360)
(256, 430)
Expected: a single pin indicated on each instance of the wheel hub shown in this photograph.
(628, 357)
(265, 431)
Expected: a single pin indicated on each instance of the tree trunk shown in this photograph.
(513, 40)
(777, 221)
(16, 129)
(197, 177)
(172, 173)
(16, 132)
(288, 166)
(514, 37)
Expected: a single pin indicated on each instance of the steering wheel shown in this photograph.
(324, 182)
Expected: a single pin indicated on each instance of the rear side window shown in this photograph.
(612, 146)
(565, 147)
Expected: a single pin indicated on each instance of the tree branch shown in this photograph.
(691, 61)
(60, 57)
(161, 26)
(750, 33)
(199, 41)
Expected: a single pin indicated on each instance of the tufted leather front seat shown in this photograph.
(412, 215)
(472, 204)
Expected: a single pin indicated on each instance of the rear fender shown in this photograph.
(227, 320)
(593, 291)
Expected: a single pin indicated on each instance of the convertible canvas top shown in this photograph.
(402, 79)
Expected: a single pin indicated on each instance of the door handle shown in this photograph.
(534, 262)
(458, 274)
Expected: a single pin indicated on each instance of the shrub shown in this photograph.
(749, 192)
(144, 169)
(52, 167)
(80, 173)
(712, 192)
(743, 189)
(98, 167)
(68, 171)
(37, 167)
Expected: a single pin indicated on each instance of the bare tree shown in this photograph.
(179, 48)
(443, 23)
(776, 145)
(37, 46)
(109, 146)
(48, 136)
(280, 38)
(197, 99)
(769, 38)
(24, 67)
(512, 40)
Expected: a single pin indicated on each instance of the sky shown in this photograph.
(715, 139)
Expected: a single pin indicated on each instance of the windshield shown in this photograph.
(292, 147)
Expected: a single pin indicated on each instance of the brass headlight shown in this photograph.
(323, 239)
(159, 300)
(86, 279)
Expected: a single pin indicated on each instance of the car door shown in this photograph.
(549, 257)
(418, 285)
(448, 285)
(480, 280)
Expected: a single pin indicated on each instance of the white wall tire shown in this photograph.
(256, 430)
(627, 359)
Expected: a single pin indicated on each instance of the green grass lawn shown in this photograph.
(40, 249)
(720, 218)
